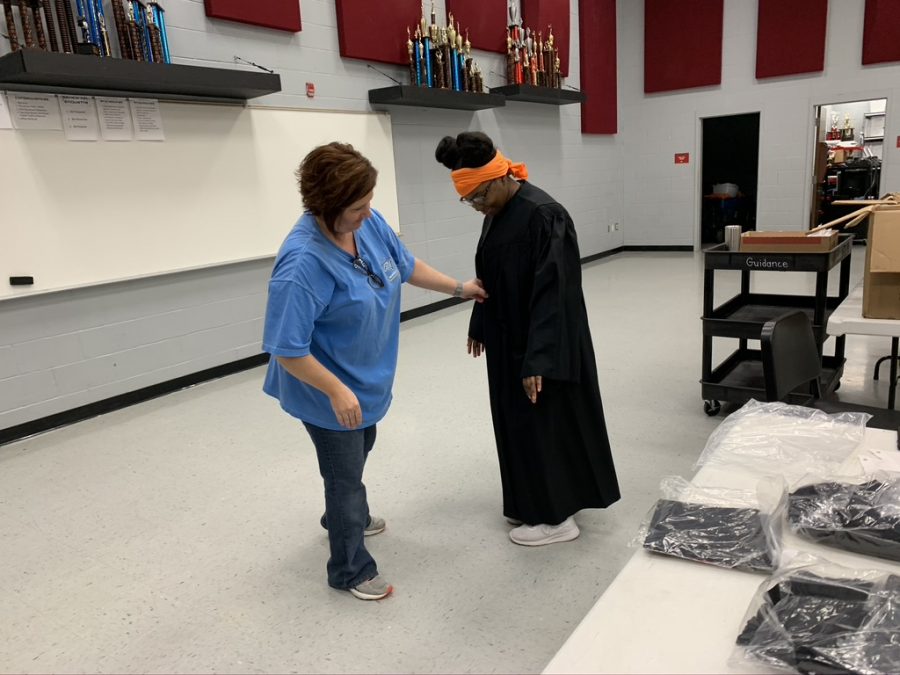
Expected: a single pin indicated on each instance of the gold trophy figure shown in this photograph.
(847, 131)
(423, 25)
(423, 76)
(510, 60)
(439, 80)
(447, 55)
(433, 29)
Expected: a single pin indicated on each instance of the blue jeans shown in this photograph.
(342, 458)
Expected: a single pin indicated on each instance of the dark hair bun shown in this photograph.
(470, 149)
(447, 153)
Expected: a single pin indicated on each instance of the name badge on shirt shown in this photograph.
(390, 269)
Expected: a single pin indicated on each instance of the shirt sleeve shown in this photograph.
(291, 313)
(405, 260)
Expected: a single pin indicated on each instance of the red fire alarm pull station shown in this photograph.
(682, 157)
(898, 141)
(310, 90)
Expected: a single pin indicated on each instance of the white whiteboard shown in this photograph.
(219, 189)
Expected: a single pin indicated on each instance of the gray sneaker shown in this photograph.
(376, 525)
(375, 588)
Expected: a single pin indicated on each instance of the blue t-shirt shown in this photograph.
(320, 304)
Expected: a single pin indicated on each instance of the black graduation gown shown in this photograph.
(554, 455)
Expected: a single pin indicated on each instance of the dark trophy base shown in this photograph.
(88, 48)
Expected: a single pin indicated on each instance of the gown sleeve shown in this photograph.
(552, 348)
(476, 323)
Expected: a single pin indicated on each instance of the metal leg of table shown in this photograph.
(877, 372)
(892, 390)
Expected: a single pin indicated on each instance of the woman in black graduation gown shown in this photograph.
(548, 419)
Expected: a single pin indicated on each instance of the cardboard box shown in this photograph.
(787, 242)
(881, 285)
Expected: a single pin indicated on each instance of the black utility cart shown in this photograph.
(740, 376)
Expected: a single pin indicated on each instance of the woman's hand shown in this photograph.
(346, 408)
(532, 387)
(473, 289)
(474, 347)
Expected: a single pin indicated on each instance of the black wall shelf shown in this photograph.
(531, 94)
(57, 73)
(430, 97)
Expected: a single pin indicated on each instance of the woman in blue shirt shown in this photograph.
(332, 325)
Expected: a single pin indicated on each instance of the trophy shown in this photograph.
(25, 18)
(47, 11)
(454, 55)
(35, 11)
(530, 59)
(158, 15)
(439, 68)
(847, 131)
(446, 55)
(126, 50)
(156, 49)
(409, 52)
(10, 26)
(52, 25)
(438, 56)
(87, 44)
(67, 24)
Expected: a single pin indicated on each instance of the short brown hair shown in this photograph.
(333, 176)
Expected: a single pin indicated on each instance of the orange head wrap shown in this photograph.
(466, 180)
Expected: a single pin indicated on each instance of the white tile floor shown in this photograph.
(182, 535)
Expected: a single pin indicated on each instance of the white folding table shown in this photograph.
(848, 319)
(666, 615)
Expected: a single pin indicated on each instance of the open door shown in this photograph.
(730, 174)
(846, 158)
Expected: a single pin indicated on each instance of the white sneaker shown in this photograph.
(538, 535)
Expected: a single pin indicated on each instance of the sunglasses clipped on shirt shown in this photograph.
(362, 266)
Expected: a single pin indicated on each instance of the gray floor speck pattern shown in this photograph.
(182, 534)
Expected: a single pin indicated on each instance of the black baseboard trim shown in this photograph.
(657, 248)
(84, 412)
(601, 255)
(430, 309)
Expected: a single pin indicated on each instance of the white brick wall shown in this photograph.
(662, 200)
(67, 349)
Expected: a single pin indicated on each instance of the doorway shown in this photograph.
(846, 159)
(730, 167)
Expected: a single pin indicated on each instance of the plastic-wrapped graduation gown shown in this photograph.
(554, 456)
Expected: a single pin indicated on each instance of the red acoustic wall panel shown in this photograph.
(280, 14)
(682, 44)
(881, 34)
(597, 52)
(538, 14)
(790, 37)
(485, 19)
(376, 32)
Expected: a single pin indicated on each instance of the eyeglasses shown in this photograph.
(362, 266)
(479, 197)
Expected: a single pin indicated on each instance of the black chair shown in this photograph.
(791, 365)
